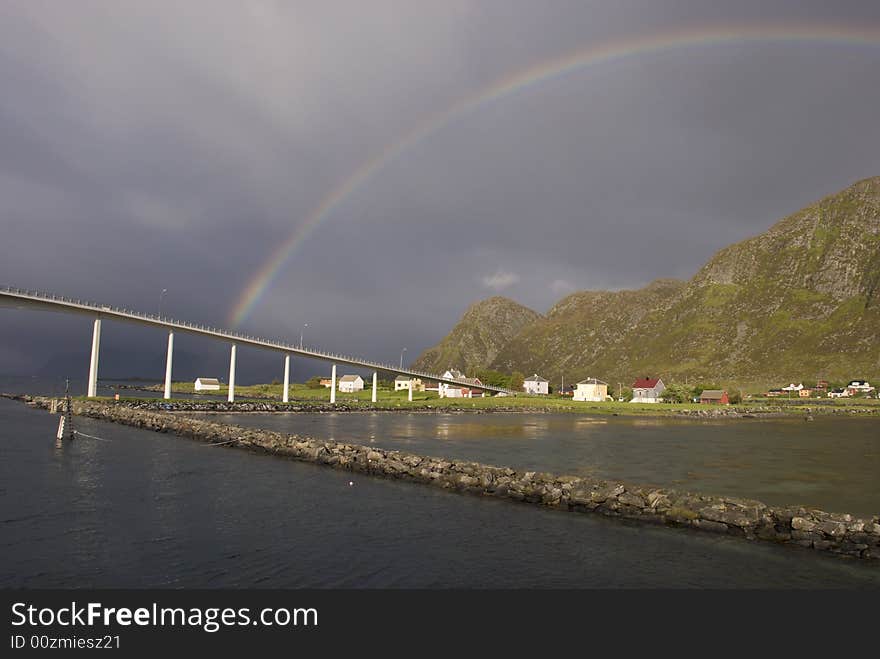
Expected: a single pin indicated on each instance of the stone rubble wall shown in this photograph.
(460, 406)
(840, 534)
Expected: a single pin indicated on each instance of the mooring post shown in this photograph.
(68, 410)
(231, 396)
(375, 378)
(284, 396)
(333, 385)
(168, 360)
(93, 362)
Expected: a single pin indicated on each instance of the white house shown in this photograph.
(793, 387)
(458, 391)
(591, 390)
(857, 387)
(207, 384)
(451, 374)
(647, 390)
(536, 385)
(453, 391)
(351, 383)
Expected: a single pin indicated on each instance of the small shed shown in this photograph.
(207, 384)
(714, 397)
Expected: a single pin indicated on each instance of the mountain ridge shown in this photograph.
(797, 300)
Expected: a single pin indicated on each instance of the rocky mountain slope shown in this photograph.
(800, 301)
(484, 329)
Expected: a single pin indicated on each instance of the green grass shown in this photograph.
(388, 399)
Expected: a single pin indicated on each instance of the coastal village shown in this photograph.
(642, 390)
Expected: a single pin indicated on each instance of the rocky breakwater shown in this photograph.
(830, 532)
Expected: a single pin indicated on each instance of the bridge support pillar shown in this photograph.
(168, 360)
(231, 396)
(410, 388)
(333, 385)
(285, 398)
(375, 378)
(93, 362)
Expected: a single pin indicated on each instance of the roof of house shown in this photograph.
(858, 383)
(645, 383)
(535, 378)
(402, 378)
(593, 381)
(472, 381)
(208, 380)
(713, 394)
(350, 378)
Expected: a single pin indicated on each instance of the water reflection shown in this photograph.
(831, 463)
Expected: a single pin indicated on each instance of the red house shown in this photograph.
(714, 397)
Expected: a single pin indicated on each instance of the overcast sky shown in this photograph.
(152, 145)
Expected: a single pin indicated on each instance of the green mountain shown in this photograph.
(800, 301)
(485, 328)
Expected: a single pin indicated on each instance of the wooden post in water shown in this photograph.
(65, 423)
(60, 434)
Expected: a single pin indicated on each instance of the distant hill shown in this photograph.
(485, 328)
(799, 301)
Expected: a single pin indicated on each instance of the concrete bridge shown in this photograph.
(25, 299)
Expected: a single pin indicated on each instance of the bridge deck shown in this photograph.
(27, 299)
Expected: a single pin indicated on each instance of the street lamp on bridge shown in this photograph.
(401, 357)
(301, 332)
(161, 296)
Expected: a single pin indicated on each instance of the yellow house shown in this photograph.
(591, 390)
(404, 382)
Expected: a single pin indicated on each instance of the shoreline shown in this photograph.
(268, 406)
(834, 533)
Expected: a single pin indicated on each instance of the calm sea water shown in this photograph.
(829, 463)
(143, 509)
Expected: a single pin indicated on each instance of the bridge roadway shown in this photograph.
(26, 299)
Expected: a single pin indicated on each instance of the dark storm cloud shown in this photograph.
(174, 145)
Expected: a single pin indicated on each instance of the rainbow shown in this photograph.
(598, 54)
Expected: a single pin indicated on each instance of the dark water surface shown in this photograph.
(831, 463)
(146, 509)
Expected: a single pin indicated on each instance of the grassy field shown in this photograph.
(397, 400)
